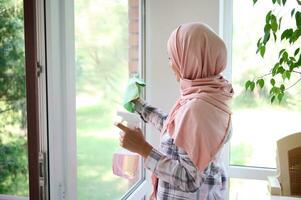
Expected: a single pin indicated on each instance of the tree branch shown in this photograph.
(3, 111)
(264, 75)
(293, 84)
(296, 72)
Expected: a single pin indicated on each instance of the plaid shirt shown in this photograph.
(179, 179)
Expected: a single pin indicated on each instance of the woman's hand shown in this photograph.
(133, 140)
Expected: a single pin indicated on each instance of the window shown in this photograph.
(14, 178)
(258, 124)
(108, 52)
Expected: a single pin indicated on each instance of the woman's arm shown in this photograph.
(150, 114)
(181, 173)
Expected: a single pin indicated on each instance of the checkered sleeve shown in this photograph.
(181, 172)
(150, 114)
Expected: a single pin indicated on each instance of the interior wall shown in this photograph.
(162, 17)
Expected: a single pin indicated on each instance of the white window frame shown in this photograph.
(60, 86)
(234, 171)
(61, 98)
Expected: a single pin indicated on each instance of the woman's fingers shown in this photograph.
(137, 128)
(131, 138)
(122, 127)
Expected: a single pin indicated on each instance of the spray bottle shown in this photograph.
(126, 163)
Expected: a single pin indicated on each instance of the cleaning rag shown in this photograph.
(132, 92)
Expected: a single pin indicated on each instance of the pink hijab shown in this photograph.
(200, 119)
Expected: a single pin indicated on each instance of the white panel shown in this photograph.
(61, 98)
(55, 107)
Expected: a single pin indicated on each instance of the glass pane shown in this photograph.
(247, 189)
(13, 129)
(257, 123)
(107, 54)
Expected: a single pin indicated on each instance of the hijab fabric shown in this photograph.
(200, 119)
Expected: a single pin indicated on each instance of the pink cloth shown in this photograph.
(199, 127)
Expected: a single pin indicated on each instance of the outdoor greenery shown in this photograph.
(285, 73)
(101, 39)
(240, 154)
(13, 145)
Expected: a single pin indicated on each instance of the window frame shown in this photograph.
(34, 52)
(60, 87)
(61, 98)
(30, 39)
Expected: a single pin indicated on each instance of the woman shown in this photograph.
(188, 165)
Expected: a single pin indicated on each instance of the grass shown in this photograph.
(95, 146)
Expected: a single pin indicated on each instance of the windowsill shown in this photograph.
(283, 198)
(248, 189)
(6, 197)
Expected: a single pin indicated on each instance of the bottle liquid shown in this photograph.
(125, 163)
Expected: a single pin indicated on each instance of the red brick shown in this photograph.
(133, 3)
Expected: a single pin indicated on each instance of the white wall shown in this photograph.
(162, 17)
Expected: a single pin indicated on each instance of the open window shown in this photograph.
(93, 48)
(257, 124)
(108, 51)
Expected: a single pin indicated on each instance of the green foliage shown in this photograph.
(240, 154)
(288, 64)
(92, 169)
(13, 154)
(13, 167)
(101, 40)
(101, 52)
(12, 76)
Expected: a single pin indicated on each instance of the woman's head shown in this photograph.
(196, 52)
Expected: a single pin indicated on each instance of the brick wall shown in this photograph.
(133, 15)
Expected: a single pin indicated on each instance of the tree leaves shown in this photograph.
(296, 52)
(287, 34)
(272, 81)
(293, 12)
(13, 161)
(261, 49)
(298, 19)
(250, 85)
(274, 25)
(288, 59)
(277, 92)
(260, 82)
